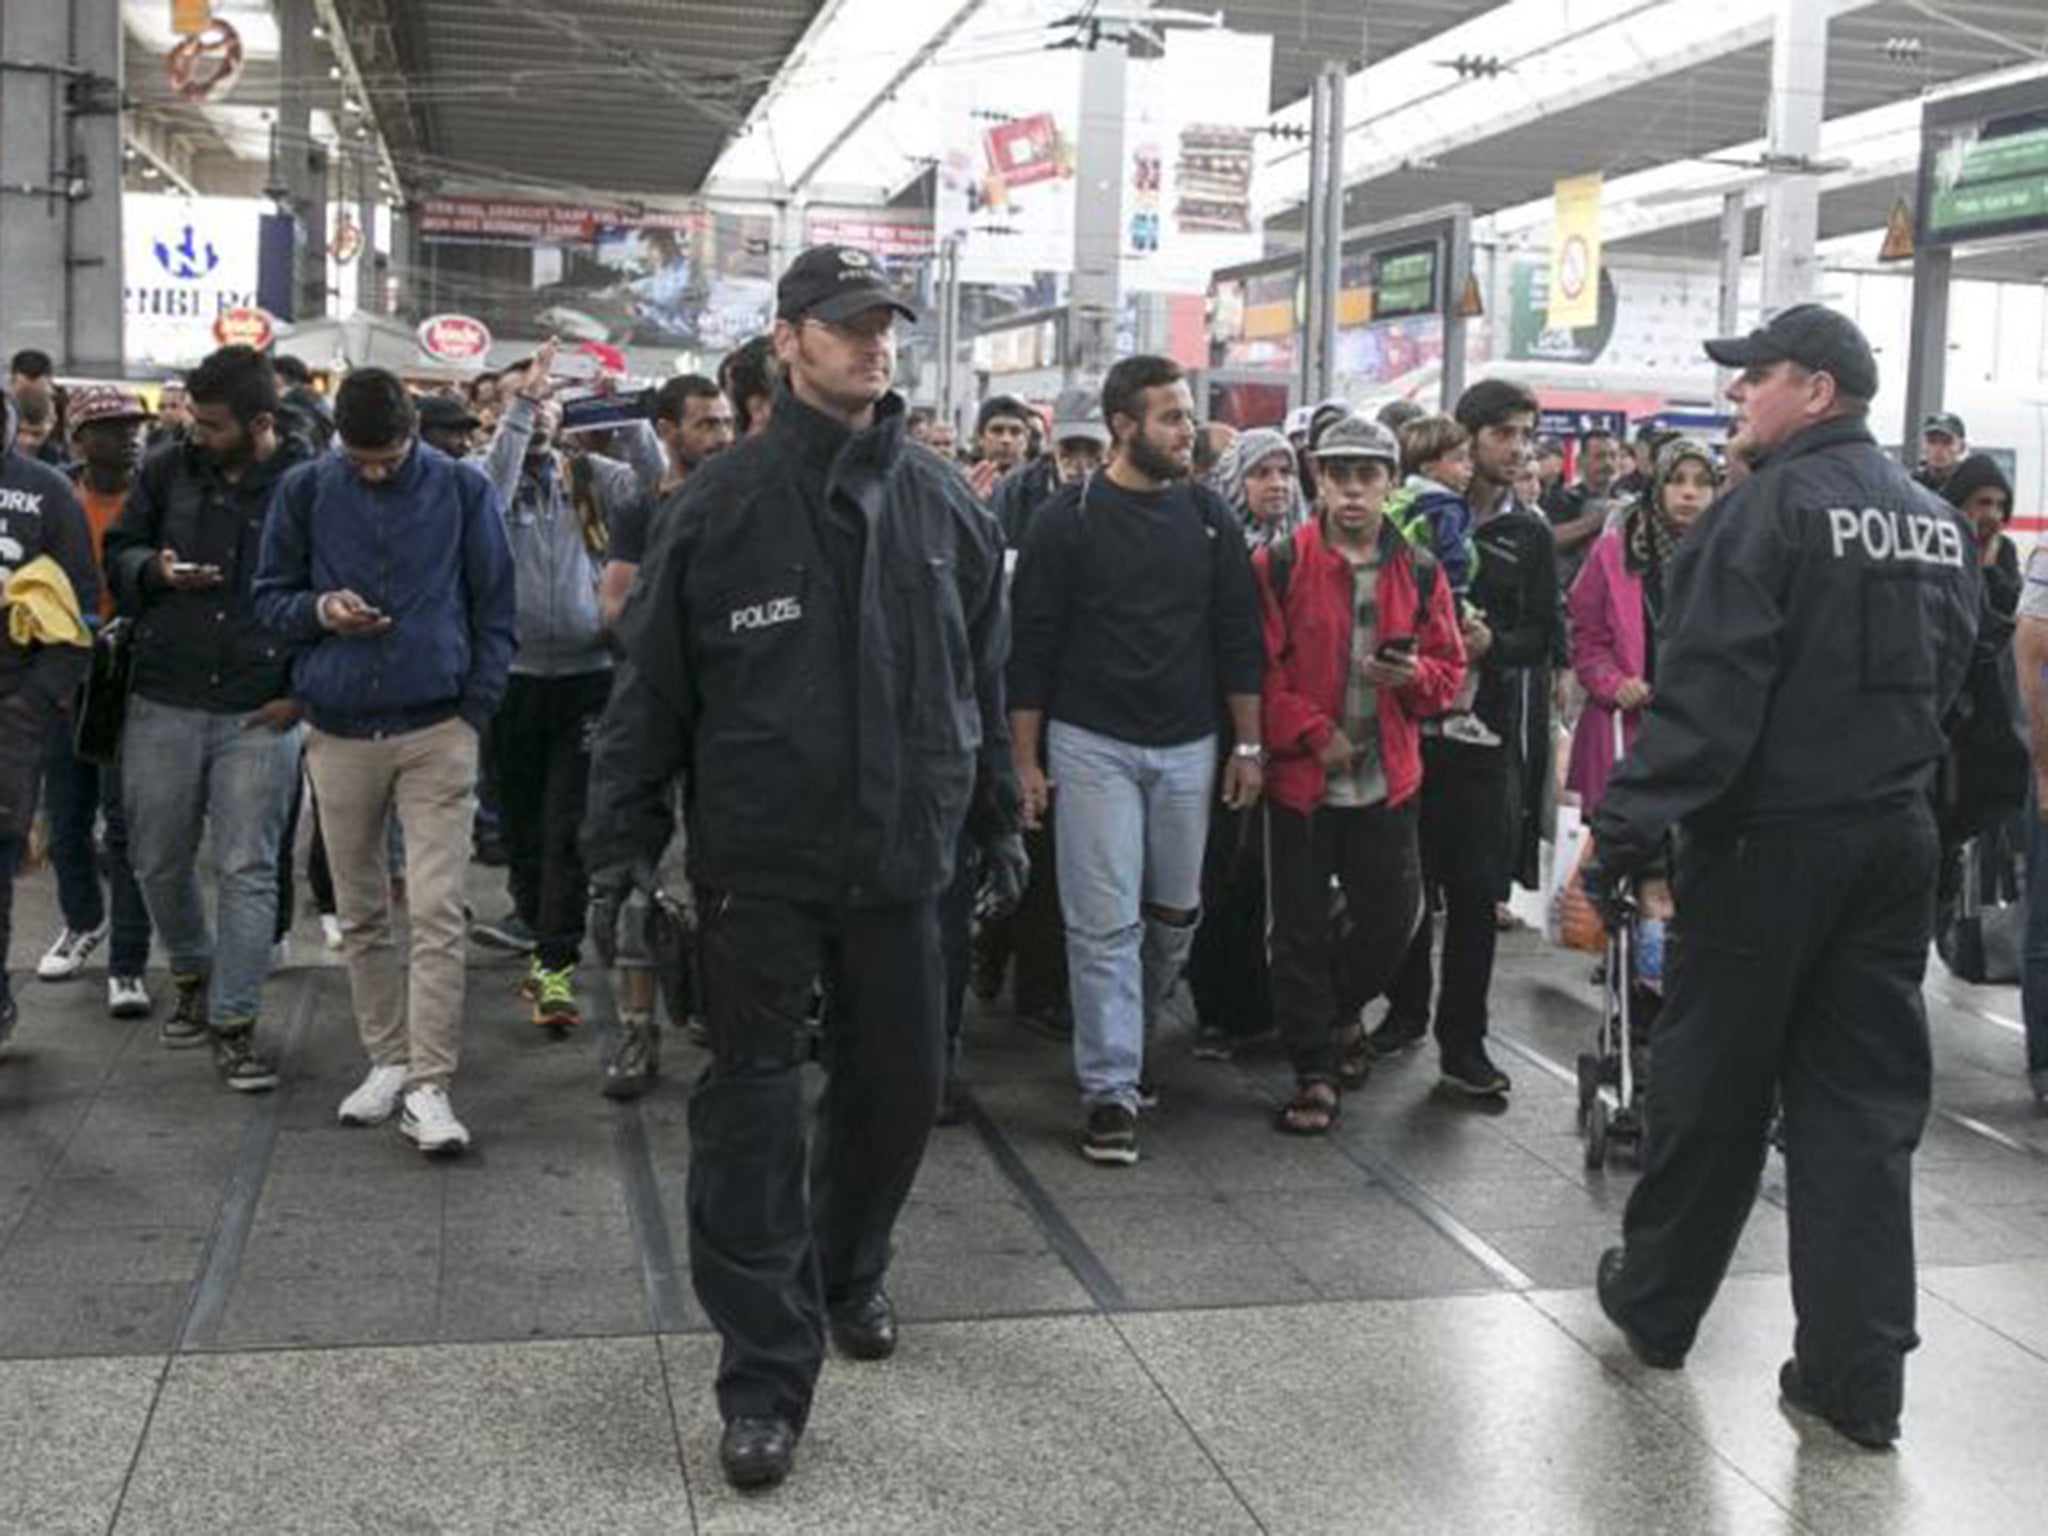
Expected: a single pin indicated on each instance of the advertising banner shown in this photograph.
(1575, 244)
(694, 279)
(1189, 155)
(185, 263)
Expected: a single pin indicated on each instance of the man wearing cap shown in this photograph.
(449, 425)
(1002, 441)
(814, 647)
(106, 438)
(1818, 626)
(1079, 439)
(1943, 445)
(1362, 643)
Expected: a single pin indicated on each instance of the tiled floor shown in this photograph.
(222, 1313)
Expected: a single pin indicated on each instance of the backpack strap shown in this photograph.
(1279, 568)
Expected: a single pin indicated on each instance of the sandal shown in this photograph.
(1354, 1056)
(1312, 1110)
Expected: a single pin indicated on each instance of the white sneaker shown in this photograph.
(66, 958)
(330, 929)
(127, 997)
(376, 1099)
(428, 1121)
(1470, 730)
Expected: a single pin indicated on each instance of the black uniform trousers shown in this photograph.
(540, 758)
(1325, 965)
(775, 1240)
(1795, 969)
(1034, 936)
(1469, 800)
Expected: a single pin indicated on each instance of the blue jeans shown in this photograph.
(185, 770)
(1132, 825)
(2034, 964)
(75, 795)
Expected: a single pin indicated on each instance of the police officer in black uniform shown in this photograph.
(815, 646)
(1819, 625)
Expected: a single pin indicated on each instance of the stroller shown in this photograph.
(1612, 1074)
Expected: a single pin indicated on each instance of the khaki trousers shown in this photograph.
(406, 1015)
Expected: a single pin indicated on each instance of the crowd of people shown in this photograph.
(810, 720)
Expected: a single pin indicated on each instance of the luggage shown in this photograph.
(1985, 940)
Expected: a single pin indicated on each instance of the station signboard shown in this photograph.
(1984, 166)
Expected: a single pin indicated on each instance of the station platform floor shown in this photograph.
(221, 1313)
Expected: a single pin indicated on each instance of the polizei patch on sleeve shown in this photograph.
(1915, 538)
(765, 615)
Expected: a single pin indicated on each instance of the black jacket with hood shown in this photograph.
(815, 645)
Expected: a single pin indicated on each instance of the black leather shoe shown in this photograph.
(865, 1329)
(1871, 1434)
(756, 1453)
(1604, 1281)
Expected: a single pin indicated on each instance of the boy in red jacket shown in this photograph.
(1362, 643)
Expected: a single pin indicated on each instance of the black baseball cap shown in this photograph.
(444, 413)
(834, 282)
(1944, 424)
(1811, 335)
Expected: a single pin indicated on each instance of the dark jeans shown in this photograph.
(540, 761)
(10, 866)
(1795, 973)
(1327, 966)
(2034, 968)
(1467, 843)
(318, 875)
(1227, 967)
(766, 1260)
(76, 795)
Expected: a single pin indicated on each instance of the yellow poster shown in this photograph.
(189, 16)
(1575, 255)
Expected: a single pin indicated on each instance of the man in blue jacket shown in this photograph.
(388, 562)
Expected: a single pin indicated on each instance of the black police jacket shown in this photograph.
(815, 645)
(1818, 626)
(201, 649)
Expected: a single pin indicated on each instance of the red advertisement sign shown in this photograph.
(244, 326)
(477, 218)
(1025, 152)
(455, 338)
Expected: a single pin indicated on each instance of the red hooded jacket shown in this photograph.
(1308, 656)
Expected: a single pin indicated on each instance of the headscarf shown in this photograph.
(1652, 536)
(1244, 454)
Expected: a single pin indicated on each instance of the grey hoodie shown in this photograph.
(560, 631)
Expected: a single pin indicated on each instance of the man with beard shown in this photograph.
(212, 736)
(106, 433)
(694, 420)
(1135, 613)
(814, 650)
(558, 511)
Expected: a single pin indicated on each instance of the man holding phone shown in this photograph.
(388, 562)
(211, 724)
(1362, 643)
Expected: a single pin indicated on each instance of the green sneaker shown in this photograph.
(186, 1027)
(554, 998)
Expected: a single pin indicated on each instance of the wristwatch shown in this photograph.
(1250, 750)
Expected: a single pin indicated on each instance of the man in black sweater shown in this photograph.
(1136, 620)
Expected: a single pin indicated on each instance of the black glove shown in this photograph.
(1605, 890)
(1005, 872)
(610, 889)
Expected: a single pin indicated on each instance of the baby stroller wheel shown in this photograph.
(1596, 1135)
(1589, 1085)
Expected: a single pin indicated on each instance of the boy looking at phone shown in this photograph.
(1362, 643)
(387, 562)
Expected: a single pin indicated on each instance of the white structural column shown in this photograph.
(1799, 73)
(1094, 296)
(60, 181)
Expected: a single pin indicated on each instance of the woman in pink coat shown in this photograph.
(1615, 605)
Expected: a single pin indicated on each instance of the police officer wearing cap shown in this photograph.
(814, 647)
(1818, 627)
(1943, 444)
